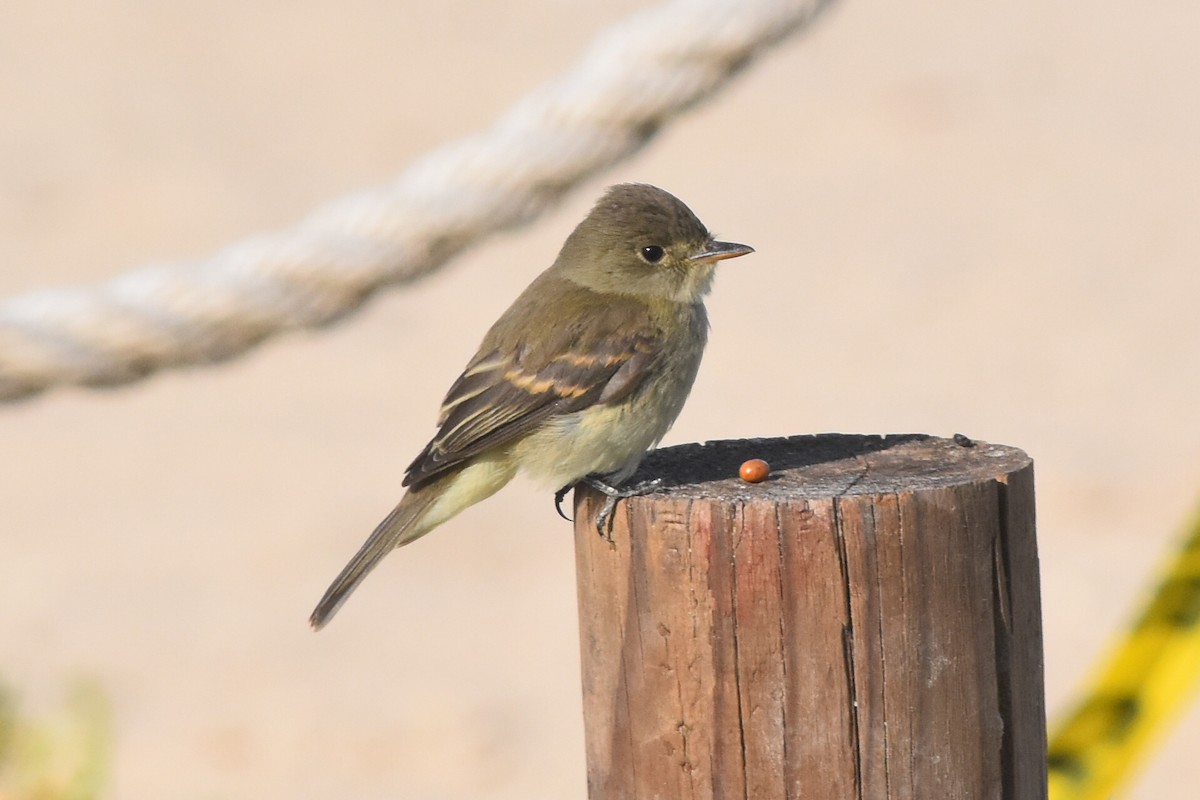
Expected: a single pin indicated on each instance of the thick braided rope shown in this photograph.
(639, 73)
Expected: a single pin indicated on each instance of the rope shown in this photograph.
(636, 76)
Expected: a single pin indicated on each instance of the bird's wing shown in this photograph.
(503, 395)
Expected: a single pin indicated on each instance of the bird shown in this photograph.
(580, 377)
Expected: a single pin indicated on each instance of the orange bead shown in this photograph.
(755, 471)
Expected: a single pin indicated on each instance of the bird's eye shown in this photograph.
(652, 254)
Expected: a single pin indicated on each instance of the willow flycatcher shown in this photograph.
(578, 379)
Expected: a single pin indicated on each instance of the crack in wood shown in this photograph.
(883, 675)
(783, 661)
(735, 536)
(848, 655)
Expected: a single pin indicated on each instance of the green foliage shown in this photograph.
(63, 758)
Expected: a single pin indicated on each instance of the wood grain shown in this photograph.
(864, 624)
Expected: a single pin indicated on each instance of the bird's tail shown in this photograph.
(406, 523)
(419, 512)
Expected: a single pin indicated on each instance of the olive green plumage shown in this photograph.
(582, 375)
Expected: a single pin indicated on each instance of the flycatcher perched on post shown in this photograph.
(577, 380)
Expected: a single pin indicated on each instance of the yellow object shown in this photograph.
(63, 757)
(1138, 692)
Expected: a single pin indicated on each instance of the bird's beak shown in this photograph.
(719, 251)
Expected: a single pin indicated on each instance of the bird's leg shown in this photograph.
(604, 521)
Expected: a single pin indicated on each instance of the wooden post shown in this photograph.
(864, 624)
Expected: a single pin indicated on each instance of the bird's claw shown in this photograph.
(558, 500)
(612, 494)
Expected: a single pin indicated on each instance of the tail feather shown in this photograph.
(419, 511)
(399, 528)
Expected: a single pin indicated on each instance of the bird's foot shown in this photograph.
(604, 520)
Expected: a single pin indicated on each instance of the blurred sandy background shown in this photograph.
(977, 218)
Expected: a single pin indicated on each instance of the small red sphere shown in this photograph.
(755, 471)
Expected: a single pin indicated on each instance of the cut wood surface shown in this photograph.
(863, 624)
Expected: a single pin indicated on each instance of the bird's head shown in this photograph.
(640, 240)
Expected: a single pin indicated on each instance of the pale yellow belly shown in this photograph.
(604, 440)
